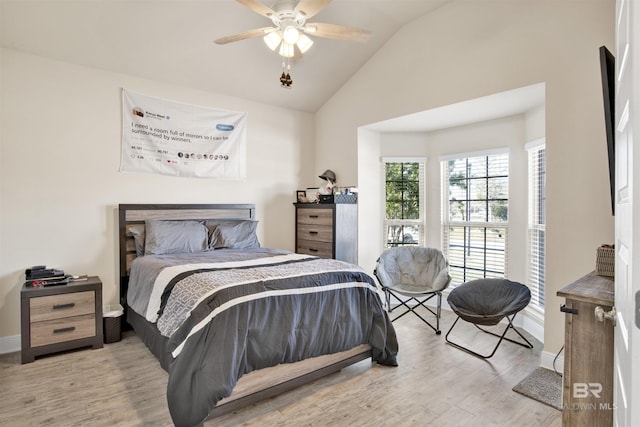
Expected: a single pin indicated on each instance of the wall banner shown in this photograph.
(172, 138)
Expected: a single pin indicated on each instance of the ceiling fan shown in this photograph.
(290, 29)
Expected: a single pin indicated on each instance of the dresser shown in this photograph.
(327, 230)
(62, 317)
(587, 389)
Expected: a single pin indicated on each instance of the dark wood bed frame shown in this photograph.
(257, 385)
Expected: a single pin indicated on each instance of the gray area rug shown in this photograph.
(542, 385)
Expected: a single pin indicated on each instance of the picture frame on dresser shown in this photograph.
(312, 194)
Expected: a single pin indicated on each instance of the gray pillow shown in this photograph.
(172, 237)
(137, 231)
(235, 235)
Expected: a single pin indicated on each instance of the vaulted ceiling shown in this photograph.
(172, 42)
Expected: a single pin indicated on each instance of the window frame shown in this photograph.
(499, 227)
(420, 222)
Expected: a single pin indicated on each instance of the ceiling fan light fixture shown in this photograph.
(290, 34)
(286, 50)
(272, 40)
(304, 43)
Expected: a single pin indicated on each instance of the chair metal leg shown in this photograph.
(410, 309)
(438, 312)
(525, 344)
(502, 337)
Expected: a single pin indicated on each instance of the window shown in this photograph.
(475, 215)
(404, 194)
(536, 223)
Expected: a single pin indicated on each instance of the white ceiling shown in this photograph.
(172, 41)
(504, 104)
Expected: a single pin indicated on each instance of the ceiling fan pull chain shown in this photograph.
(285, 78)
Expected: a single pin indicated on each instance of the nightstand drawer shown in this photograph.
(315, 216)
(321, 233)
(61, 306)
(61, 330)
(321, 249)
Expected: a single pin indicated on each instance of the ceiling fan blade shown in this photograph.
(338, 32)
(257, 7)
(311, 7)
(258, 32)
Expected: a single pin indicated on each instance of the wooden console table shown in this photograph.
(587, 390)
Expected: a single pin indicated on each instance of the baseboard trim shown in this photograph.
(531, 323)
(10, 344)
(547, 361)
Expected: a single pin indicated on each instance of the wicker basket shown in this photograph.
(605, 261)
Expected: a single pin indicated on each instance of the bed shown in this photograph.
(233, 322)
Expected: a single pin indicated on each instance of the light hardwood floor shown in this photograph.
(435, 385)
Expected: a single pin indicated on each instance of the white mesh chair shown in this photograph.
(413, 275)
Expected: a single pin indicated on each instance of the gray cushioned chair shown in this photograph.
(486, 302)
(413, 274)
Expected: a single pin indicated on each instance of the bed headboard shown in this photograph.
(138, 213)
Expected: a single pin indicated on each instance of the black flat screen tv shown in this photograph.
(607, 73)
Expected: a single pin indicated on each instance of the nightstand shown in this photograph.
(61, 317)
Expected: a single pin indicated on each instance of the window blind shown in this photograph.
(536, 224)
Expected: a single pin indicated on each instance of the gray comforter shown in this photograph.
(231, 312)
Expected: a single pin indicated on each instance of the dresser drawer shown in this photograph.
(320, 233)
(61, 306)
(63, 329)
(315, 216)
(321, 249)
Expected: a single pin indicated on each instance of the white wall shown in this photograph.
(369, 179)
(466, 50)
(60, 183)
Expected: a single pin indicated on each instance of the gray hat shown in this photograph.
(329, 175)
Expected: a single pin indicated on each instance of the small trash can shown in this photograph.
(112, 320)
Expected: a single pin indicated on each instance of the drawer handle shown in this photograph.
(313, 250)
(63, 330)
(63, 306)
(313, 232)
(313, 216)
(564, 309)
